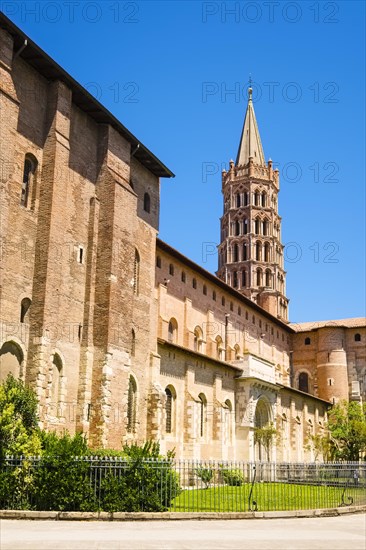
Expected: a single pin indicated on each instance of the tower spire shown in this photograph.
(250, 142)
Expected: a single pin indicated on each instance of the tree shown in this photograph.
(264, 436)
(323, 445)
(19, 433)
(347, 427)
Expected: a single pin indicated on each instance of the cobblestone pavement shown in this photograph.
(330, 533)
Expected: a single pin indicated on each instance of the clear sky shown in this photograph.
(176, 73)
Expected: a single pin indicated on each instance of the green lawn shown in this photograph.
(269, 496)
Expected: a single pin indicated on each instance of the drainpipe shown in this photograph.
(227, 315)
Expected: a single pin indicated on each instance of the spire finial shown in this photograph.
(250, 89)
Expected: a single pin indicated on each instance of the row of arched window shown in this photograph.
(170, 412)
(258, 199)
(241, 253)
(239, 279)
(198, 341)
(242, 227)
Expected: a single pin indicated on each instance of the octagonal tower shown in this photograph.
(250, 251)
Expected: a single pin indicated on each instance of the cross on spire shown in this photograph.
(250, 89)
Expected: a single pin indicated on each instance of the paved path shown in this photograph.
(329, 533)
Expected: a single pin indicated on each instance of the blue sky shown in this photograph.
(176, 73)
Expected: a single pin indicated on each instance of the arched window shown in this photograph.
(245, 251)
(171, 269)
(228, 421)
(24, 307)
(133, 343)
(30, 166)
(202, 413)
(198, 339)
(204, 290)
(56, 383)
(268, 278)
(244, 278)
(256, 198)
(304, 382)
(307, 341)
(267, 252)
(235, 253)
(11, 359)
(238, 200)
(158, 261)
(237, 351)
(357, 337)
(246, 198)
(194, 283)
(257, 225)
(131, 405)
(220, 351)
(147, 203)
(169, 412)
(136, 273)
(264, 199)
(237, 228)
(258, 251)
(172, 331)
(235, 279)
(265, 227)
(245, 223)
(259, 277)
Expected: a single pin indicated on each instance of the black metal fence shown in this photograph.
(120, 484)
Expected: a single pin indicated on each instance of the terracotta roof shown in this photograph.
(354, 322)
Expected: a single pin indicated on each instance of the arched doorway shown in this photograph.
(261, 420)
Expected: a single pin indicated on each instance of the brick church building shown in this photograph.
(120, 335)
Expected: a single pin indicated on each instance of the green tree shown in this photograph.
(265, 436)
(323, 445)
(19, 435)
(347, 427)
(19, 432)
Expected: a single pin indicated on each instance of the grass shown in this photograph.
(269, 496)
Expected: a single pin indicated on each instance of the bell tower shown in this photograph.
(250, 251)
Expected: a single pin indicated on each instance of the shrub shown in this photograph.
(62, 476)
(65, 477)
(232, 477)
(205, 475)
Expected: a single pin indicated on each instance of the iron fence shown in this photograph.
(120, 484)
